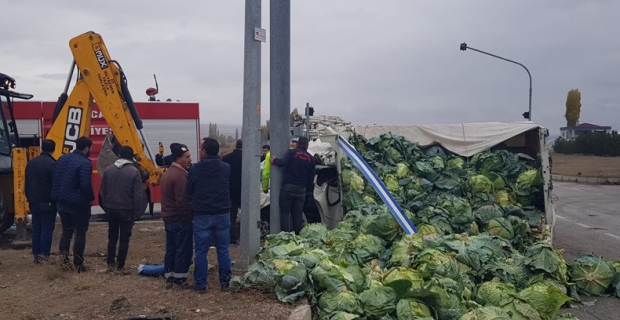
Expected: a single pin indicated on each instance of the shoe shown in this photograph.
(122, 271)
(81, 268)
(111, 267)
(169, 285)
(225, 286)
(200, 290)
(181, 286)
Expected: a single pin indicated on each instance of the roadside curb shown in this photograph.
(587, 180)
(303, 312)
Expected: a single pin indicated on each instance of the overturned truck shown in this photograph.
(471, 142)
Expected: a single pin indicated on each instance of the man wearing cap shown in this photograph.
(167, 160)
(176, 212)
(299, 170)
(120, 197)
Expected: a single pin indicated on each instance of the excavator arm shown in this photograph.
(100, 79)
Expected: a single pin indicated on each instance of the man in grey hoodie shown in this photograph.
(120, 196)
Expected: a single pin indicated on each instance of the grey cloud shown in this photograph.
(366, 61)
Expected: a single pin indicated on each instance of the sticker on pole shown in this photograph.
(260, 34)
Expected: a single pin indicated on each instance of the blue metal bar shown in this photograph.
(378, 185)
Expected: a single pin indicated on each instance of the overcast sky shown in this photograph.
(383, 62)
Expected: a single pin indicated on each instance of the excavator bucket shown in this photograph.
(108, 155)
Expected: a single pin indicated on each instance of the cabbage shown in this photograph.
(404, 248)
(391, 183)
(546, 299)
(500, 227)
(591, 274)
(331, 302)
(290, 280)
(403, 273)
(495, 293)
(438, 162)
(402, 170)
(340, 315)
(519, 310)
(378, 301)
(310, 258)
(527, 180)
(383, 225)
(486, 213)
(505, 198)
(412, 308)
(368, 246)
(434, 261)
(352, 181)
(314, 231)
(486, 313)
(481, 184)
(455, 163)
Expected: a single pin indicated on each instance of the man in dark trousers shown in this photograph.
(72, 190)
(234, 160)
(120, 196)
(208, 189)
(39, 178)
(176, 211)
(299, 169)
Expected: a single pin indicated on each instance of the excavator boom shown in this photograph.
(100, 79)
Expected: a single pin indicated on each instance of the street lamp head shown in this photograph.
(463, 46)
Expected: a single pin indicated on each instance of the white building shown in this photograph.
(570, 133)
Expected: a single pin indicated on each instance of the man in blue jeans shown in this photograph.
(176, 211)
(208, 190)
(39, 177)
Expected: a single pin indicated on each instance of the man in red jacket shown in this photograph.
(176, 211)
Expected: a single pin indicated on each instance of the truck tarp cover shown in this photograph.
(465, 139)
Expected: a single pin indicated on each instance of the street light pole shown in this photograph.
(529, 113)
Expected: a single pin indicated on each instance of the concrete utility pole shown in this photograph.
(251, 135)
(280, 98)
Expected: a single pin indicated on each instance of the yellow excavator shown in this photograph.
(101, 80)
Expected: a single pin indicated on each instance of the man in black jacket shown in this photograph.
(234, 160)
(39, 177)
(169, 159)
(72, 190)
(120, 196)
(208, 190)
(298, 179)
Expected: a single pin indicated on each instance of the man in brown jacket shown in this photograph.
(176, 211)
(120, 196)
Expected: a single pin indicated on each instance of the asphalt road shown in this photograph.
(588, 220)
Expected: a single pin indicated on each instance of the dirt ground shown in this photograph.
(30, 291)
(589, 166)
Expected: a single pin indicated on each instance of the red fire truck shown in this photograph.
(164, 122)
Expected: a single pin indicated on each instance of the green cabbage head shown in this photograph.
(481, 184)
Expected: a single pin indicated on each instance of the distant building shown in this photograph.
(570, 133)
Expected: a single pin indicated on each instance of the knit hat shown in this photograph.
(178, 151)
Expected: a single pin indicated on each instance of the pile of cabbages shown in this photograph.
(478, 254)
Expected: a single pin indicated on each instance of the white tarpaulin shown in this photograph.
(465, 139)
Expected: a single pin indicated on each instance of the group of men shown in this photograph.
(64, 187)
(196, 205)
(199, 203)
